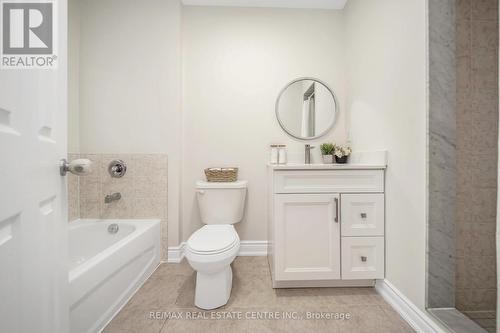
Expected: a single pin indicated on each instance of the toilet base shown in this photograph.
(213, 290)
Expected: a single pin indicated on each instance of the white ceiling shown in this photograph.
(324, 4)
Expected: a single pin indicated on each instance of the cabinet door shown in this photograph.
(362, 214)
(307, 232)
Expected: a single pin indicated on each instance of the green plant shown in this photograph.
(327, 148)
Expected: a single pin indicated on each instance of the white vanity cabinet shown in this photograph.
(326, 225)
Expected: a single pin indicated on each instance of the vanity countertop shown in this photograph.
(374, 160)
(334, 166)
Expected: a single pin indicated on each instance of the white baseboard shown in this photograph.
(420, 321)
(253, 249)
(247, 249)
(176, 253)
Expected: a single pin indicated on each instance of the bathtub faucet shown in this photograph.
(112, 197)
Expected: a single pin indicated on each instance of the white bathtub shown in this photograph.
(106, 269)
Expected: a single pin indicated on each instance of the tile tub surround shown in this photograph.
(477, 127)
(171, 289)
(143, 190)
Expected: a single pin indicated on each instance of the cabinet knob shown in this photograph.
(363, 258)
(364, 215)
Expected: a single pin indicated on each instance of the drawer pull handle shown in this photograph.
(336, 219)
(363, 258)
(364, 215)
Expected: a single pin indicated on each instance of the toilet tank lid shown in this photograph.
(238, 184)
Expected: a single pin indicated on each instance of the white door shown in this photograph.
(33, 227)
(307, 237)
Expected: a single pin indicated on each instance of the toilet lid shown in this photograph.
(225, 185)
(211, 239)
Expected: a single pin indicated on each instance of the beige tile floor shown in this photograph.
(170, 290)
(485, 319)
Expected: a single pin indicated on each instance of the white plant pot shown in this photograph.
(327, 159)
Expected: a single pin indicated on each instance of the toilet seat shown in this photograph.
(213, 239)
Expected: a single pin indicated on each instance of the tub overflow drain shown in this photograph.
(113, 228)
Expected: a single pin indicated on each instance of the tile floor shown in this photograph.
(485, 319)
(456, 321)
(170, 291)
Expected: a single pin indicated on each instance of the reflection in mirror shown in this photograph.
(306, 109)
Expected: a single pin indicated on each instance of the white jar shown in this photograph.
(274, 154)
(282, 154)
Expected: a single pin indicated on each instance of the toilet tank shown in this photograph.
(221, 203)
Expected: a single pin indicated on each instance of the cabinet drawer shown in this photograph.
(329, 181)
(362, 258)
(362, 214)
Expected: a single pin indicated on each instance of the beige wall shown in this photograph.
(235, 62)
(129, 76)
(387, 102)
(126, 83)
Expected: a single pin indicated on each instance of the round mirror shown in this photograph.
(306, 108)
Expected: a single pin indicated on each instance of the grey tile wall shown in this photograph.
(477, 141)
(442, 155)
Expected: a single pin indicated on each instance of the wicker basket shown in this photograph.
(223, 175)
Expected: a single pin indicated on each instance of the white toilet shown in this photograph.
(211, 249)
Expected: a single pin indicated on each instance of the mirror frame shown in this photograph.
(336, 111)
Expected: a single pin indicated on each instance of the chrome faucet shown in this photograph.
(112, 197)
(307, 159)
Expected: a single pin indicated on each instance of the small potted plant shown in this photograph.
(327, 150)
(342, 154)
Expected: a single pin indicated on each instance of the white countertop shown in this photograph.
(373, 160)
(348, 166)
